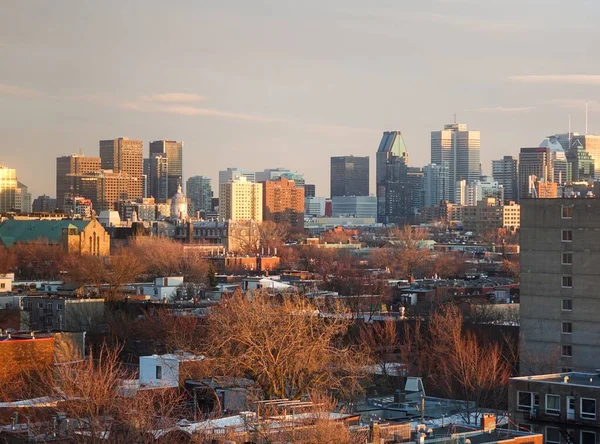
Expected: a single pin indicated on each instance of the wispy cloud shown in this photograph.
(188, 110)
(173, 98)
(504, 109)
(565, 79)
(18, 91)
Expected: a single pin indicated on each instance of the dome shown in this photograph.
(179, 204)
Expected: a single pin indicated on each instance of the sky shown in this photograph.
(285, 83)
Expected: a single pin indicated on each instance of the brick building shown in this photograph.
(283, 202)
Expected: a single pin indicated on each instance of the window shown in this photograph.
(567, 328)
(587, 437)
(567, 370)
(59, 307)
(158, 372)
(567, 281)
(567, 212)
(40, 305)
(525, 401)
(567, 259)
(552, 405)
(567, 304)
(552, 435)
(588, 408)
(567, 235)
(567, 351)
(2, 285)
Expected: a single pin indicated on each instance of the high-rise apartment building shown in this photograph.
(8, 189)
(436, 184)
(506, 172)
(198, 190)
(173, 152)
(106, 188)
(66, 168)
(124, 155)
(349, 176)
(534, 162)
(457, 147)
(231, 174)
(560, 250)
(241, 200)
(283, 202)
(391, 147)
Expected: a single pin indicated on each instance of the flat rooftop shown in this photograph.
(568, 378)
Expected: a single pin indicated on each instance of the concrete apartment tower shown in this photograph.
(241, 200)
(560, 253)
(67, 167)
(458, 148)
(123, 155)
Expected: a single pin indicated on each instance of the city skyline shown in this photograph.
(60, 97)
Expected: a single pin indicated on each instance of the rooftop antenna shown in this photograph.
(454, 117)
(586, 117)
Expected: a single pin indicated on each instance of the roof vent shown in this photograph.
(566, 379)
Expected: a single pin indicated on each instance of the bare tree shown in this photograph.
(464, 368)
(286, 346)
(38, 260)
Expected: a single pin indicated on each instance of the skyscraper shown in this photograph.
(391, 146)
(124, 155)
(8, 188)
(349, 176)
(241, 200)
(173, 151)
(534, 162)
(403, 190)
(23, 201)
(436, 184)
(309, 190)
(66, 168)
(459, 149)
(105, 188)
(591, 144)
(506, 172)
(198, 189)
(283, 202)
(158, 177)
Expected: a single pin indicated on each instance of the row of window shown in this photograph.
(530, 402)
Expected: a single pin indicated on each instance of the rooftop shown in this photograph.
(569, 378)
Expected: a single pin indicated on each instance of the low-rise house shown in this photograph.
(164, 288)
(64, 314)
(169, 370)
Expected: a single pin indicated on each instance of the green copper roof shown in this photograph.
(12, 231)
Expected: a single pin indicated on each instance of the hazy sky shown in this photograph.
(258, 84)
